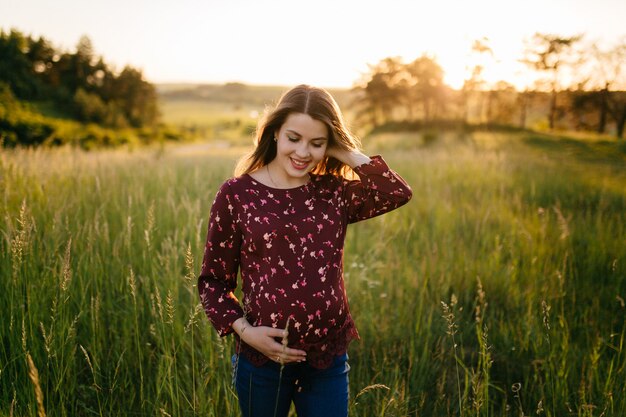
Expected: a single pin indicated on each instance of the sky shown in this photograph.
(328, 43)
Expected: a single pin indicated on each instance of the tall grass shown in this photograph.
(524, 245)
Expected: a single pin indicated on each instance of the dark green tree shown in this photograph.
(16, 67)
(78, 83)
(136, 98)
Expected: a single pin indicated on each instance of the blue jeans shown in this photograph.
(264, 392)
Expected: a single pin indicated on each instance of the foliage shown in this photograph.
(416, 87)
(393, 91)
(81, 84)
(550, 53)
(22, 124)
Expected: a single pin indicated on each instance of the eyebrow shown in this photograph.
(298, 134)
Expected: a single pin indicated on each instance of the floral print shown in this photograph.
(288, 246)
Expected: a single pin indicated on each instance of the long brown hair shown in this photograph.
(315, 102)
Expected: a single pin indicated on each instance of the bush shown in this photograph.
(21, 124)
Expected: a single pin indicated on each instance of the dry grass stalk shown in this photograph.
(71, 332)
(190, 276)
(23, 335)
(193, 314)
(129, 231)
(93, 373)
(132, 283)
(563, 222)
(545, 308)
(157, 296)
(19, 244)
(370, 388)
(516, 388)
(95, 309)
(169, 307)
(47, 338)
(34, 377)
(150, 222)
(448, 315)
(13, 402)
(481, 303)
(67, 267)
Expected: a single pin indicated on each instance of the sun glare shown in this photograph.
(275, 42)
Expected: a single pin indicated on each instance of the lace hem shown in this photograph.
(319, 355)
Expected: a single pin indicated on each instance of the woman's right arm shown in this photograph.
(220, 265)
(218, 280)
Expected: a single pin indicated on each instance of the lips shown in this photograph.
(298, 164)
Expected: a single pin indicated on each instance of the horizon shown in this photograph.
(218, 43)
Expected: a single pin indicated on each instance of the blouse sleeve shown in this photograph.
(378, 191)
(218, 279)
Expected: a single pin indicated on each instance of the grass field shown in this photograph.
(498, 291)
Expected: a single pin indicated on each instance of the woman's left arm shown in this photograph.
(378, 190)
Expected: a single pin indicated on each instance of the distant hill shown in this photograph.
(245, 95)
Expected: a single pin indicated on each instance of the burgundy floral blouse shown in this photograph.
(288, 245)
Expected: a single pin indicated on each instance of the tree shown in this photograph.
(583, 105)
(16, 67)
(136, 97)
(381, 91)
(425, 85)
(524, 100)
(501, 100)
(618, 112)
(481, 53)
(41, 56)
(609, 74)
(90, 107)
(77, 70)
(77, 81)
(550, 54)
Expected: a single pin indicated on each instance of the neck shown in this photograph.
(279, 181)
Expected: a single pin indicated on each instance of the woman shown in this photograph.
(282, 221)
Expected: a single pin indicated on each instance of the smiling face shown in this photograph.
(300, 145)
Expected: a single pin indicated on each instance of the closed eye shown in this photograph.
(295, 139)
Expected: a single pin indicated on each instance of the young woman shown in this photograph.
(281, 222)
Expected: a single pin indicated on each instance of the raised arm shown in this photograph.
(378, 189)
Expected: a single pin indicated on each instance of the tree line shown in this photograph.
(76, 85)
(578, 86)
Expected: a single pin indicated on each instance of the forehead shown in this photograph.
(305, 126)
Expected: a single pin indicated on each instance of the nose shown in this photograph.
(302, 151)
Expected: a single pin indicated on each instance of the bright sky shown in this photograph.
(327, 43)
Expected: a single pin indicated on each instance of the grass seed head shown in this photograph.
(132, 283)
(66, 275)
(23, 335)
(190, 275)
(545, 308)
(169, 307)
(150, 222)
(34, 377)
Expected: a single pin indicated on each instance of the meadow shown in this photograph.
(497, 291)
